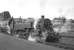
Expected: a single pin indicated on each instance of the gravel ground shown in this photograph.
(11, 43)
(67, 38)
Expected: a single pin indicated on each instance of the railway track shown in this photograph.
(60, 45)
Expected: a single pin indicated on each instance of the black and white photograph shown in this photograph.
(36, 24)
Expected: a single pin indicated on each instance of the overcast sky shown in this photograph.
(35, 8)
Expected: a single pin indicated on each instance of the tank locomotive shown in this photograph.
(46, 31)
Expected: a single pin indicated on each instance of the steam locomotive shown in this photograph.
(25, 27)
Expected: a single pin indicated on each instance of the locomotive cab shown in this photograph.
(22, 28)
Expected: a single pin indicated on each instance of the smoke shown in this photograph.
(69, 12)
(43, 3)
(60, 11)
(66, 12)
